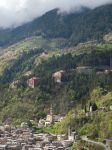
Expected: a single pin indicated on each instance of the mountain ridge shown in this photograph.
(76, 27)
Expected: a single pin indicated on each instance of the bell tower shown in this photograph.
(51, 114)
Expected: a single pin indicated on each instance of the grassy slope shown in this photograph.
(14, 52)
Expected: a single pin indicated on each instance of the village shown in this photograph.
(56, 75)
(25, 138)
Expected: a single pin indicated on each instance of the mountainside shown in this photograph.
(32, 56)
(63, 61)
(76, 27)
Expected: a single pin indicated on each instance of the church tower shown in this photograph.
(51, 114)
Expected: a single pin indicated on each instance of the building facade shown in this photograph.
(57, 76)
(33, 82)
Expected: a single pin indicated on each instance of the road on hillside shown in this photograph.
(106, 147)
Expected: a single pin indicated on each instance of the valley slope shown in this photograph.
(49, 44)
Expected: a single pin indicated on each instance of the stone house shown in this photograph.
(33, 82)
(57, 76)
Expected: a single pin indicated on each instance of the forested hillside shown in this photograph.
(80, 26)
(70, 57)
(22, 103)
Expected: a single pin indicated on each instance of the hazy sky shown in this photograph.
(17, 12)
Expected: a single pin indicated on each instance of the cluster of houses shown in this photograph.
(15, 139)
(23, 138)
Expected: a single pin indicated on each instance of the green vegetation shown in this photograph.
(80, 146)
(18, 51)
(48, 49)
(75, 88)
(96, 126)
(77, 146)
